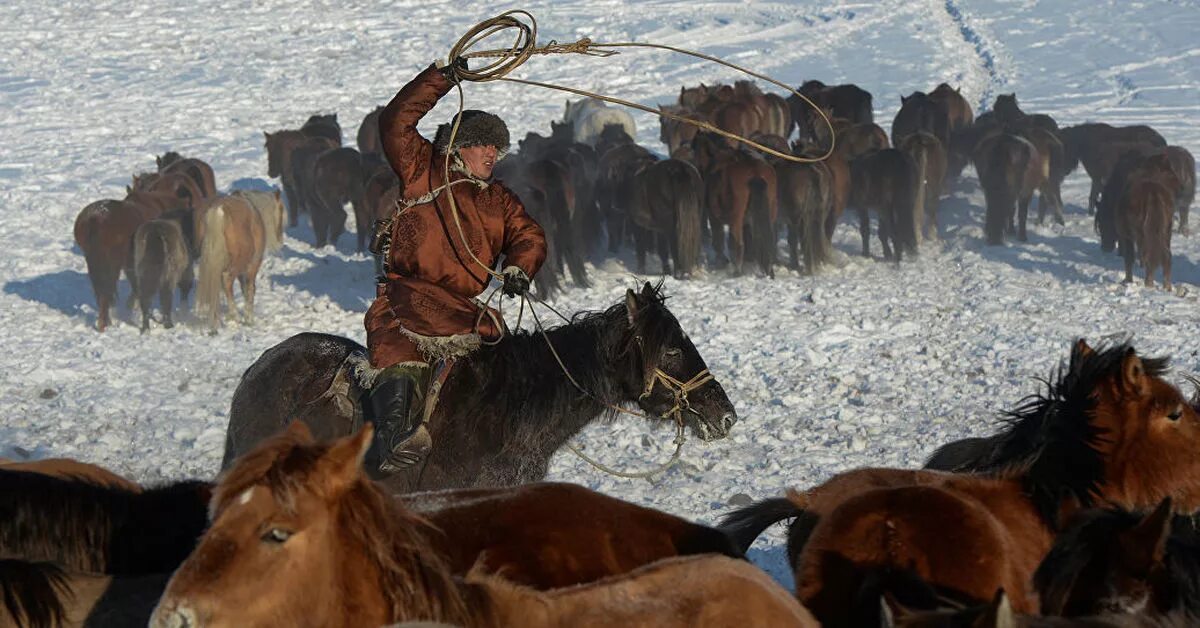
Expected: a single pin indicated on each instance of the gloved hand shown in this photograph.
(450, 70)
(515, 281)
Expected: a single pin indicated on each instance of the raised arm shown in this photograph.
(408, 152)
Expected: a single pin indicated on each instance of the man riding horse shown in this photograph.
(426, 311)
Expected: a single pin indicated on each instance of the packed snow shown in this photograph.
(864, 364)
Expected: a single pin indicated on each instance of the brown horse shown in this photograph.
(668, 205)
(919, 112)
(594, 535)
(104, 232)
(1184, 166)
(337, 179)
(176, 183)
(616, 169)
(232, 241)
(1096, 145)
(1053, 163)
(886, 181)
(805, 202)
(197, 169)
(847, 101)
(269, 206)
(1010, 170)
(1109, 430)
(369, 141)
(930, 159)
(324, 126)
(68, 468)
(1144, 229)
(280, 145)
(162, 263)
(856, 140)
(293, 512)
(37, 595)
(958, 109)
(727, 175)
(1132, 162)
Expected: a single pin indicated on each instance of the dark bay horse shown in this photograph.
(806, 202)
(958, 109)
(1096, 145)
(1110, 430)
(337, 180)
(668, 206)
(368, 139)
(324, 126)
(104, 528)
(929, 157)
(162, 262)
(44, 595)
(919, 112)
(847, 101)
(1010, 170)
(197, 169)
(886, 181)
(505, 409)
(280, 145)
(300, 535)
(1144, 228)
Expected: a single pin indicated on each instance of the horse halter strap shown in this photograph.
(679, 390)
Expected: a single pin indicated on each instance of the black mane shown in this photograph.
(1049, 436)
(603, 353)
(100, 529)
(32, 592)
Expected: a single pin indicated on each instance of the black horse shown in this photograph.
(504, 410)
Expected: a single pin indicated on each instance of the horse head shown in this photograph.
(300, 536)
(274, 154)
(674, 379)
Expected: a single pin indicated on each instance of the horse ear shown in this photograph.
(886, 619)
(343, 462)
(632, 307)
(999, 613)
(299, 430)
(1133, 374)
(1084, 349)
(1144, 545)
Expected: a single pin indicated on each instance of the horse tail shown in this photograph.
(762, 230)
(688, 188)
(214, 257)
(904, 222)
(33, 592)
(560, 198)
(150, 258)
(746, 524)
(921, 157)
(817, 206)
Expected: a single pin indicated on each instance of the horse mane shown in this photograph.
(1050, 440)
(33, 593)
(415, 581)
(100, 528)
(588, 345)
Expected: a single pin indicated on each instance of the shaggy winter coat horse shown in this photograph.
(162, 263)
(886, 181)
(1010, 170)
(668, 206)
(930, 159)
(232, 240)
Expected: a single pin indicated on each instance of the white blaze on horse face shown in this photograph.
(246, 496)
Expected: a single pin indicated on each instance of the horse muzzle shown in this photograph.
(174, 615)
(709, 430)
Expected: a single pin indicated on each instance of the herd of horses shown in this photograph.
(171, 224)
(589, 178)
(1077, 512)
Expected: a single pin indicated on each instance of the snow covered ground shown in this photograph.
(866, 364)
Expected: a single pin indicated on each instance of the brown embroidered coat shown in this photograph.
(425, 308)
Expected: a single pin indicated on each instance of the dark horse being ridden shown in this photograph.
(505, 409)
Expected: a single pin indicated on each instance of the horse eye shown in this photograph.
(277, 535)
(1177, 414)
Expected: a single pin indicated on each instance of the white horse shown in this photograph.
(589, 116)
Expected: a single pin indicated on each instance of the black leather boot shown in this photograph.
(401, 440)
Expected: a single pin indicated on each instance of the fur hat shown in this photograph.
(478, 128)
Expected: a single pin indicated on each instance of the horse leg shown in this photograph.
(166, 297)
(864, 230)
(1166, 262)
(793, 248)
(1127, 253)
(737, 246)
(227, 280)
(185, 284)
(717, 232)
(1184, 207)
(887, 236)
(665, 244)
(639, 244)
(1094, 195)
(1058, 203)
(247, 285)
(1023, 214)
(292, 197)
(319, 223)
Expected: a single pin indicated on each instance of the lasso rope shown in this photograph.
(509, 59)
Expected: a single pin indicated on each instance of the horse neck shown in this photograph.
(598, 374)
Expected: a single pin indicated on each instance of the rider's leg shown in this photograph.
(395, 405)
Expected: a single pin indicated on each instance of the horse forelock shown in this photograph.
(413, 579)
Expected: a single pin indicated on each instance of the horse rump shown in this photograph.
(162, 263)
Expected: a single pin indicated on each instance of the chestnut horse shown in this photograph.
(232, 240)
(728, 174)
(805, 202)
(104, 232)
(197, 169)
(300, 535)
(269, 206)
(1109, 430)
(69, 468)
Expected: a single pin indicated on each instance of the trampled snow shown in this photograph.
(864, 364)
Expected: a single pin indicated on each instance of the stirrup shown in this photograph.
(407, 453)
